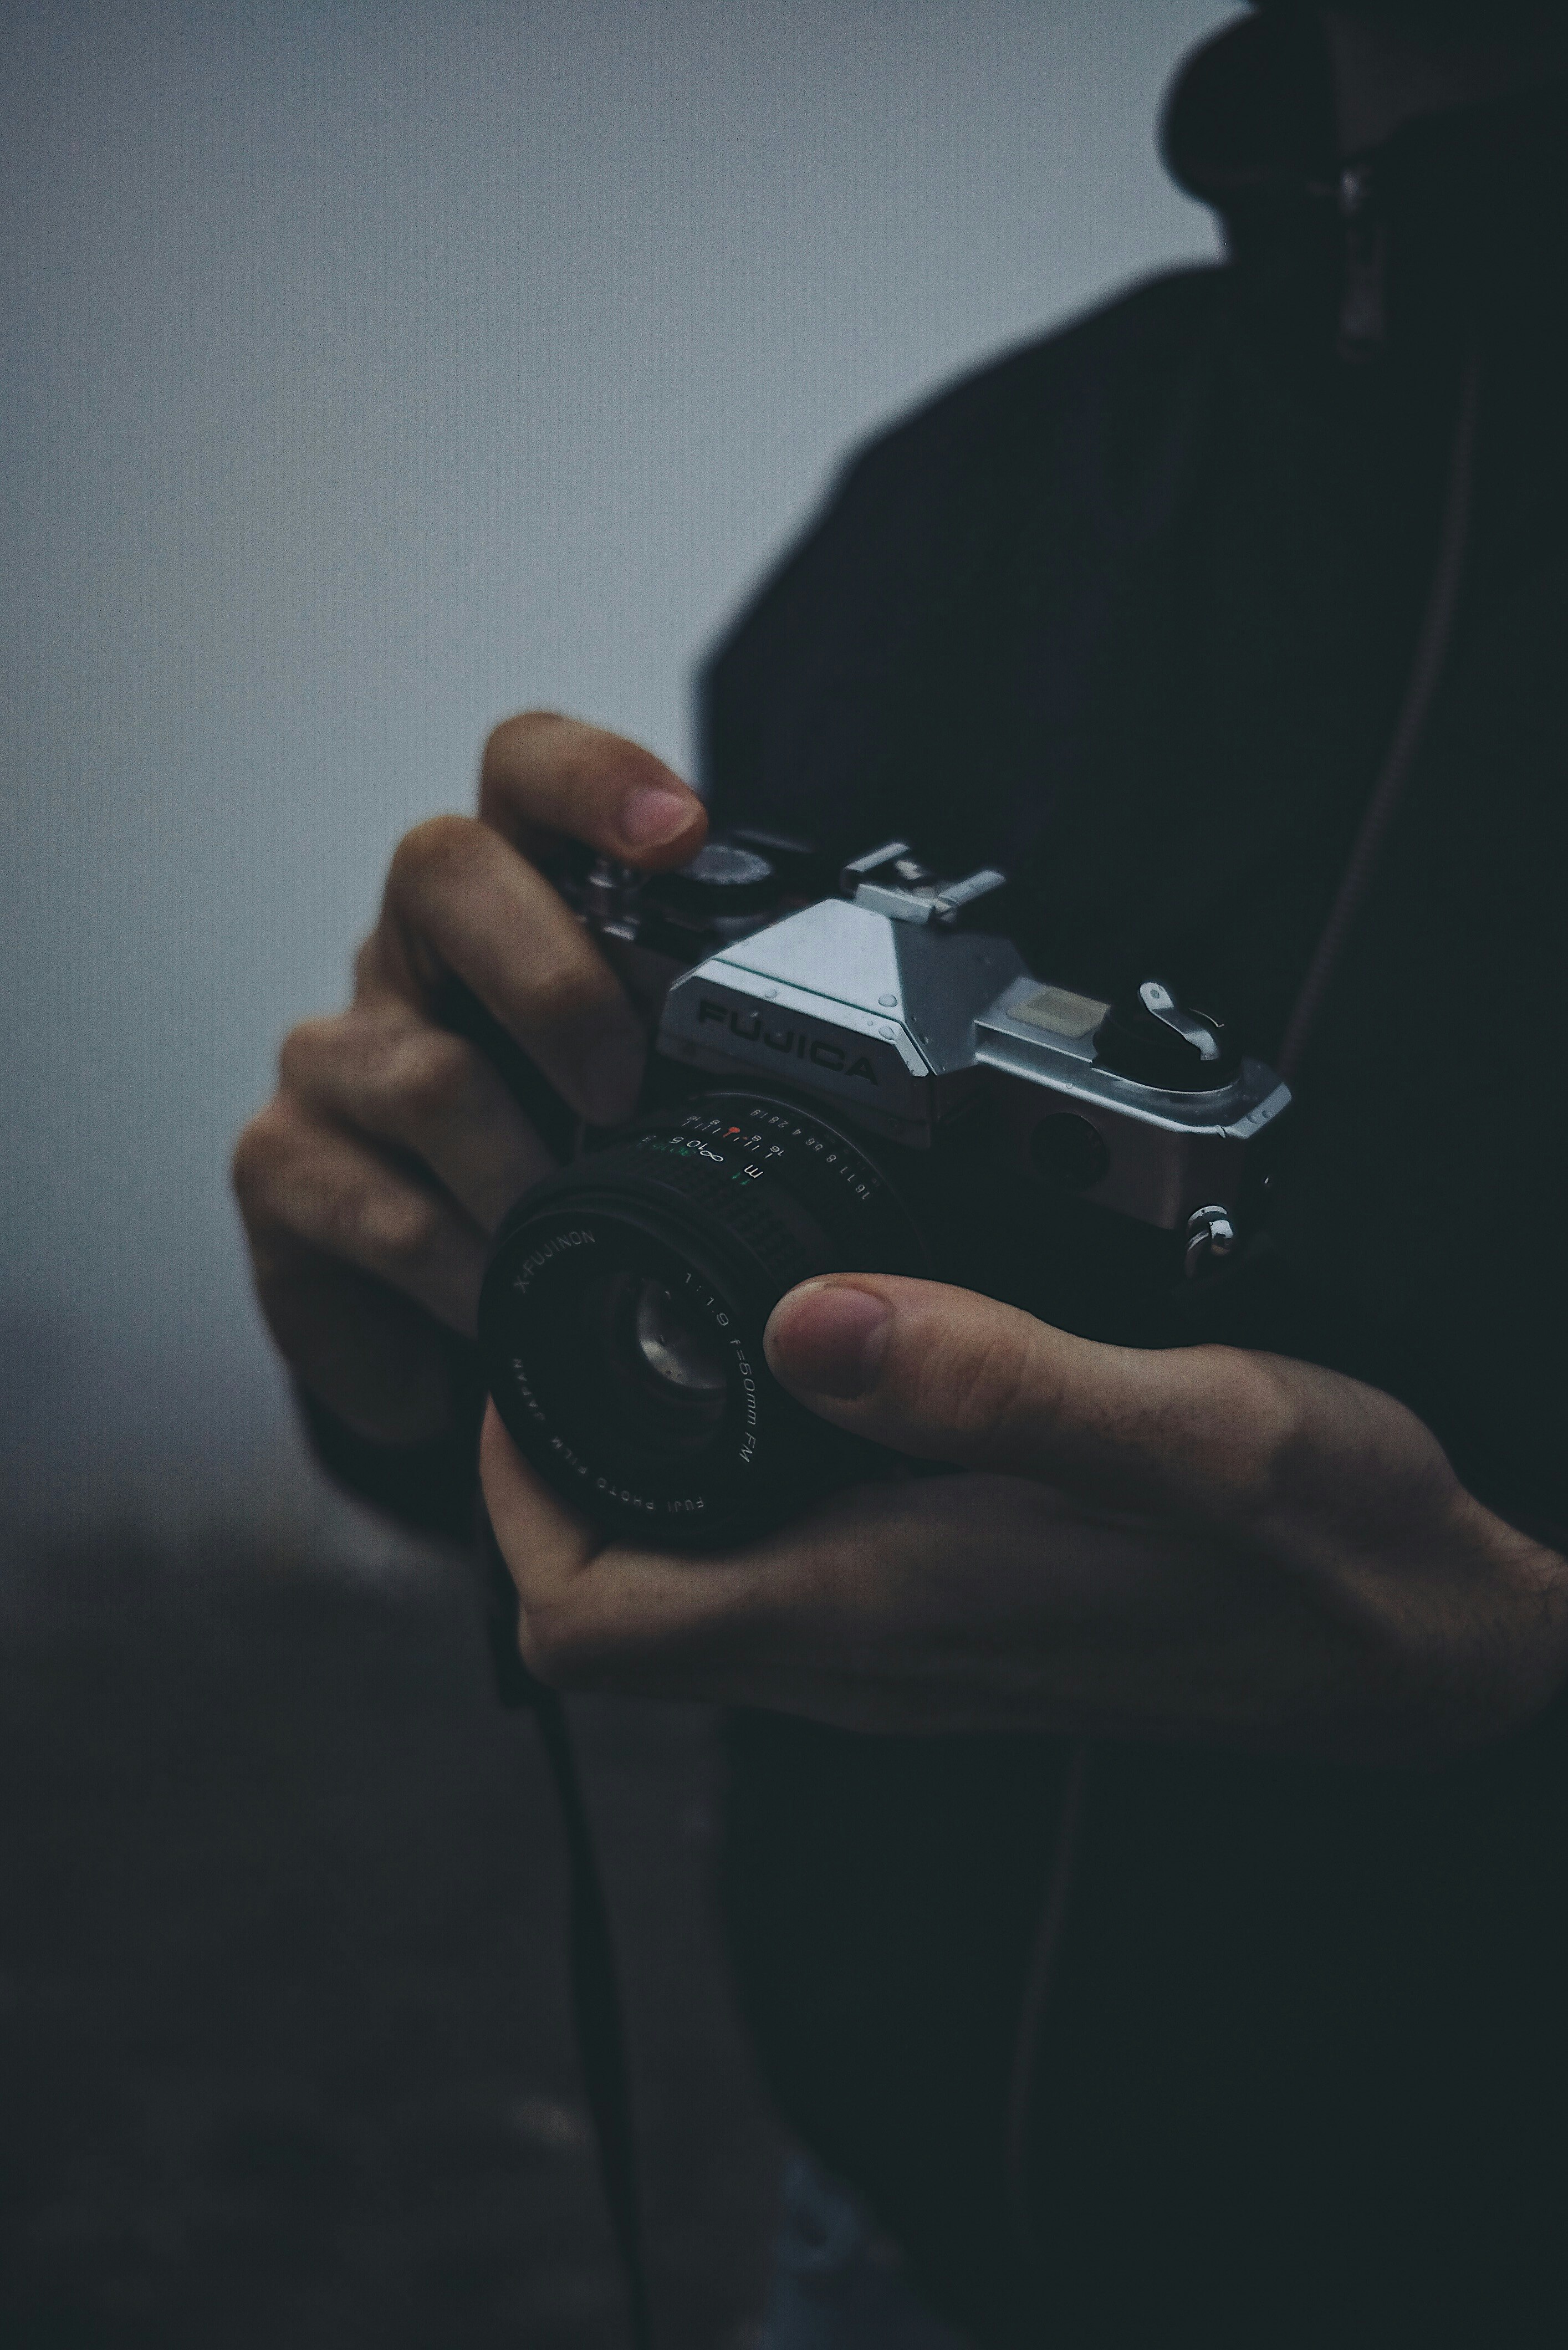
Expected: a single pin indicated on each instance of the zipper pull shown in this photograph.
(1363, 312)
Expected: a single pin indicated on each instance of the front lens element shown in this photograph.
(648, 1363)
(680, 1358)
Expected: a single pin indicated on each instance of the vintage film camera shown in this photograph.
(873, 1082)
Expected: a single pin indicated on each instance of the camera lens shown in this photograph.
(622, 1317)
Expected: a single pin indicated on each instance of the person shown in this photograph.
(1229, 620)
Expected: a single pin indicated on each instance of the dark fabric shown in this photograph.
(1131, 613)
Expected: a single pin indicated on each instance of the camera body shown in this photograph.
(865, 1081)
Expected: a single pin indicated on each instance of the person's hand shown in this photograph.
(1199, 1543)
(370, 1183)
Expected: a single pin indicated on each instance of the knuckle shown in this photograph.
(440, 846)
(260, 1151)
(517, 732)
(520, 747)
(977, 1384)
(304, 1047)
(552, 1647)
(396, 1228)
(1260, 1431)
(568, 992)
(430, 1078)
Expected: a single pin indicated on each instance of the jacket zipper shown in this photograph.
(1363, 308)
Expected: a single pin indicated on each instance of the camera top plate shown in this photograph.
(878, 1012)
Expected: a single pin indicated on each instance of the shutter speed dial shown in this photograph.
(1152, 1039)
(720, 881)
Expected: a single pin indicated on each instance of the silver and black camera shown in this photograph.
(872, 1082)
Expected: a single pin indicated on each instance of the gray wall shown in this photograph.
(370, 372)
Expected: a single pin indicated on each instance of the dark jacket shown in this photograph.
(1132, 612)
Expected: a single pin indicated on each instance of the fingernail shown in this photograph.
(651, 814)
(831, 1340)
(610, 1078)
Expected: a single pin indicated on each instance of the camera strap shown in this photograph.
(596, 1991)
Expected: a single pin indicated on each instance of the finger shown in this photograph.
(949, 1376)
(546, 1545)
(394, 1077)
(846, 1616)
(311, 1183)
(544, 777)
(602, 1615)
(458, 900)
(375, 1358)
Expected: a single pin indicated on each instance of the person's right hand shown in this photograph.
(372, 1182)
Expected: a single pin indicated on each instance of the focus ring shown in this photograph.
(745, 1215)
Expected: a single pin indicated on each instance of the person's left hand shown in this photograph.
(1199, 1543)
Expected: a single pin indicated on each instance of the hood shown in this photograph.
(1456, 226)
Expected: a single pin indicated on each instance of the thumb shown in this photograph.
(949, 1376)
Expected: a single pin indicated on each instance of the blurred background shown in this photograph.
(370, 372)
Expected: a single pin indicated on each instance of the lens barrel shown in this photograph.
(621, 1320)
